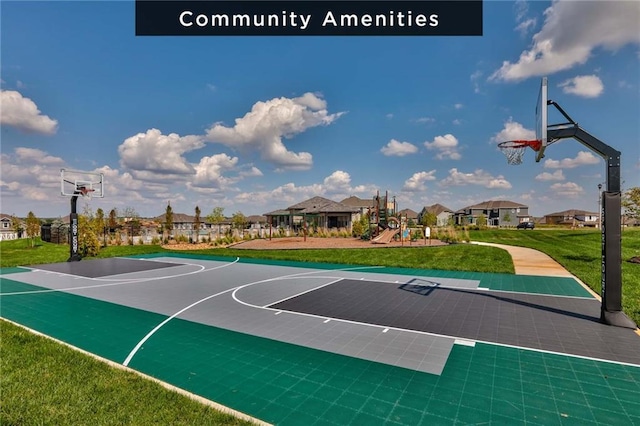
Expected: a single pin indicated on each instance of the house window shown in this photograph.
(5, 224)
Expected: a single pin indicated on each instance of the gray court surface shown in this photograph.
(567, 325)
(95, 268)
(235, 296)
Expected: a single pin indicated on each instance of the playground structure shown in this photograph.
(385, 223)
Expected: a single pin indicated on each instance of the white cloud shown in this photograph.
(568, 190)
(211, 87)
(525, 26)
(416, 182)
(584, 158)
(389, 116)
(446, 146)
(22, 113)
(209, 171)
(252, 172)
(513, 131)
(458, 106)
(572, 30)
(264, 127)
(37, 156)
(475, 78)
(546, 176)
(398, 149)
(587, 86)
(427, 120)
(153, 152)
(478, 177)
(457, 122)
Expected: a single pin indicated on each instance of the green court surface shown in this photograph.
(287, 384)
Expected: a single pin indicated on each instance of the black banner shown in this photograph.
(309, 18)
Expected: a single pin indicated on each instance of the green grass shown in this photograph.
(46, 383)
(458, 257)
(579, 251)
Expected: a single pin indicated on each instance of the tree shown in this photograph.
(196, 225)
(429, 219)
(631, 203)
(168, 219)
(113, 221)
(507, 218)
(216, 217)
(481, 221)
(100, 225)
(88, 242)
(239, 221)
(33, 227)
(16, 225)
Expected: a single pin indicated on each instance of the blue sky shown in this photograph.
(254, 124)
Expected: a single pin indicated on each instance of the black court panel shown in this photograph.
(96, 268)
(551, 323)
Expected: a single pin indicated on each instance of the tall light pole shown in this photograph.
(600, 205)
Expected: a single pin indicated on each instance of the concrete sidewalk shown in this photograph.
(528, 261)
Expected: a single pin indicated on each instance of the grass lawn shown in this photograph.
(579, 251)
(47, 383)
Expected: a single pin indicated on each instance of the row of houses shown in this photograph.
(323, 213)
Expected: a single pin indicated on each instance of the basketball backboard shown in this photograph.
(541, 119)
(86, 184)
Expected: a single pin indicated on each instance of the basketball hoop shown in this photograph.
(514, 150)
(86, 191)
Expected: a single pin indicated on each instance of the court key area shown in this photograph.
(304, 344)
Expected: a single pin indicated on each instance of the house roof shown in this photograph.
(573, 212)
(179, 218)
(354, 201)
(409, 213)
(436, 209)
(321, 205)
(278, 213)
(493, 204)
(256, 219)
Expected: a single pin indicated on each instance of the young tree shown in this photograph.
(33, 227)
(507, 218)
(429, 219)
(631, 203)
(168, 219)
(239, 221)
(100, 226)
(196, 225)
(16, 225)
(481, 221)
(216, 217)
(113, 221)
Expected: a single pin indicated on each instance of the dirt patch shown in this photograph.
(290, 243)
(324, 243)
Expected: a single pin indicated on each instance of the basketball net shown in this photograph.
(86, 192)
(514, 150)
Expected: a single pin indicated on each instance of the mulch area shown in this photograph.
(289, 243)
(325, 243)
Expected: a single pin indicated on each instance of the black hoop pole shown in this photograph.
(611, 277)
(73, 229)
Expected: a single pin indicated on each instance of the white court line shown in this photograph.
(136, 281)
(159, 326)
(459, 340)
(307, 291)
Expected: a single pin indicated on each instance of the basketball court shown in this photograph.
(295, 343)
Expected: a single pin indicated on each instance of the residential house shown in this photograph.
(6, 228)
(573, 218)
(496, 213)
(443, 214)
(409, 214)
(318, 211)
(364, 205)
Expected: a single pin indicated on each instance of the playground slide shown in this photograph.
(385, 236)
